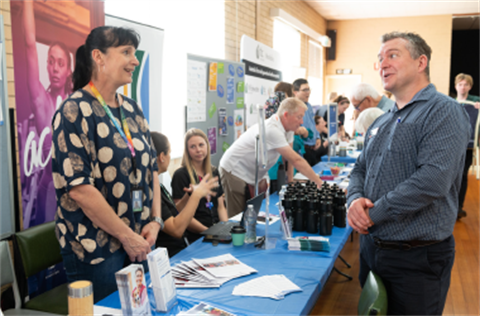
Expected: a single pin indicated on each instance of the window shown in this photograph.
(315, 72)
(287, 41)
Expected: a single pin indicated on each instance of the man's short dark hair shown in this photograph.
(298, 83)
(416, 46)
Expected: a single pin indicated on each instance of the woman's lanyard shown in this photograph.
(168, 196)
(125, 133)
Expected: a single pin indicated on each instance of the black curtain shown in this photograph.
(465, 58)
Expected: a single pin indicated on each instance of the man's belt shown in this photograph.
(309, 147)
(402, 245)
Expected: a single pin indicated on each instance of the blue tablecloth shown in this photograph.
(308, 270)
(346, 159)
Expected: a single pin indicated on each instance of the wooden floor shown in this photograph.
(340, 296)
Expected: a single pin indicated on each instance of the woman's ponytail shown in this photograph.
(83, 68)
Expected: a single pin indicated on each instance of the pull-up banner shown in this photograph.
(261, 75)
(259, 71)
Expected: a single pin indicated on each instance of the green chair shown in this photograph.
(373, 300)
(39, 249)
(7, 276)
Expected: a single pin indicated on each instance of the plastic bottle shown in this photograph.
(250, 225)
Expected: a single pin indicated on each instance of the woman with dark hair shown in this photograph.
(172, 237)
(43, 103)
(195, 166)
(104, 166)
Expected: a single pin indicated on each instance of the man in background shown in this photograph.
(471, 103)
(364, 96)
(301, 90)
(403, 192)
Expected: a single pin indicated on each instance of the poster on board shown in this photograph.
(146, 86)
(239, 123)
(45, 37)
(196, 93)
(222, 122)
(212, 139)
(261, 72)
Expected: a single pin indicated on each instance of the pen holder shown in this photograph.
(238, 235)
(80, 298)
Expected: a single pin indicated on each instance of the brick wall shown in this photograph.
(252, 18)
(8, 47)
(358, 43)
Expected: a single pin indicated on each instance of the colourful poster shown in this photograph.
(240, 86)
(230, 90)
(240, 103)
(45, 37)
(212, 139)
(212, 110)
(220, 68)
(239, 123)
(212, 78)
(222, 122)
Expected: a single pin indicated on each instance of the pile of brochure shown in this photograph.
(309, 243)
(205, 309)
(209, 273)
(271, 286)
(132, 290)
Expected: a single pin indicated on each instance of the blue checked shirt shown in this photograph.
(309, 123)
(411, 168)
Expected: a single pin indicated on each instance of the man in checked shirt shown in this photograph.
(403, 192)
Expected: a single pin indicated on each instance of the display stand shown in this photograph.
(261, 158)
(332, 129)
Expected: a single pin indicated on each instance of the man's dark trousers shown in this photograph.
(416, 280)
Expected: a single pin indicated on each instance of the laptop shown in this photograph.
(222, 229)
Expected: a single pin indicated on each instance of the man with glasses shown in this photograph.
(364, 96)
(403, 191)
(301, 90)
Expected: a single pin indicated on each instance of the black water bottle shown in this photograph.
(288, 205)
(312, 218)
(299, 214)
(340, 212)
(326, 221)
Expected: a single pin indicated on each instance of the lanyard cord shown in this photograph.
(125, 133)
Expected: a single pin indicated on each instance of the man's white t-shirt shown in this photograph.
(239, 159)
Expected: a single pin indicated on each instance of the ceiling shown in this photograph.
(367, 9)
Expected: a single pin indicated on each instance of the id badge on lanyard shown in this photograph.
(136, 191)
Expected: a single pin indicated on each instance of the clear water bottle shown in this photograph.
(250, 225)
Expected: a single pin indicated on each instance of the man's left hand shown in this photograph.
(150, 232)
(318, 143)
(477, 105)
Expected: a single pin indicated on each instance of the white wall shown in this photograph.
(191, 26)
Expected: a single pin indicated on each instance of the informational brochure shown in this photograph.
(222, 122)
(269, 286)
(309, 243)
(238, 122)
(230, 90)
(212, 78)
(132, 290)
(164, 289)
(209, 273)
(205, 309)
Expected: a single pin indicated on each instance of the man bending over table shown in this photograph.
(237, 166)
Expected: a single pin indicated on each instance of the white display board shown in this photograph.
(262, 64)
(146, 88)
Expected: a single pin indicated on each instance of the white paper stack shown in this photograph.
(205, 309)
(209, 273)
(271, 286)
